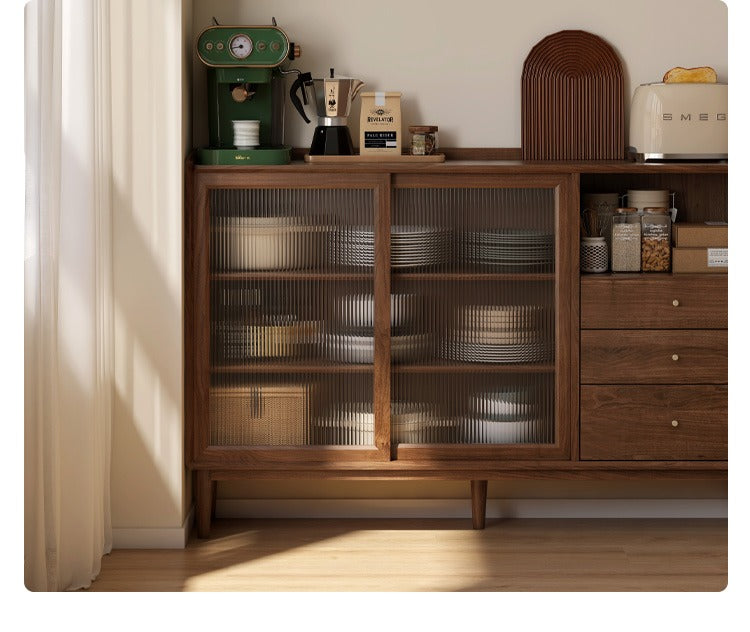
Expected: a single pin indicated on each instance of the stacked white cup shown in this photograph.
(246, 134)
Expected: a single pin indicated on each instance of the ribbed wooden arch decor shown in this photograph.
(572, 101)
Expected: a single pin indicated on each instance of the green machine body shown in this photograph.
(245, 82)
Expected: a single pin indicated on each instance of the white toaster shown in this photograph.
(679, 121)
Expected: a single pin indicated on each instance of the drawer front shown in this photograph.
(637, 423)
(653, 356)
(650, 302)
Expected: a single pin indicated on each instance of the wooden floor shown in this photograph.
(433, 555)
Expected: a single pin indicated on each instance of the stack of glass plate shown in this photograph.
(507, 416)
(411, 246)
(498, 334)
(511, 249)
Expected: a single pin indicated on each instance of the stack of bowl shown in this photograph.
(353, 340)
(644, 198)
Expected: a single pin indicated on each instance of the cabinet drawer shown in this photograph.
(645, 301)
(667, 356)
(636, 423)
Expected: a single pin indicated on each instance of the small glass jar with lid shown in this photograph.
(424, 139)
(626, 240)
(656, 240)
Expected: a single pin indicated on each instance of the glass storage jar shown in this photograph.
(626, 240)
(424, 139)
(656, 240)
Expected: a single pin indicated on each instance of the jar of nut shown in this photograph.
(656, 237)
(423, 140)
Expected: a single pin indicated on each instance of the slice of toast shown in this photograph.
(703, 74)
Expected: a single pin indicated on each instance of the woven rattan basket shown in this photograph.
(273, 414)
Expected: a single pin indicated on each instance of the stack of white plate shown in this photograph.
(474, 430)
(517, 249)
(498, 334)
(513, 404)
(506, 416)
(350, 423)
(354, 424)
(360, 349)
(416, 422)
(419, 246)
(411, 246)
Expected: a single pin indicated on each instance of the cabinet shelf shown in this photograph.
(283, 367)
(605, 277)
(396, 276)
(472, 367)
(291, 276)
(473, 276)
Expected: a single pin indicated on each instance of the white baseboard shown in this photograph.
(461, 508)
(154, 538)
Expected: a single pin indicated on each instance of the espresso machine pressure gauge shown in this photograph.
(240, 46)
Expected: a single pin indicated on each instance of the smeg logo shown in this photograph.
(703, 116)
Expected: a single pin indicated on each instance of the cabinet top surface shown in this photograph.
(480, 166)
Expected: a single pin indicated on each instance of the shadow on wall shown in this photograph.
(147, 437)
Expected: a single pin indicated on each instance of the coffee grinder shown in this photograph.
(246, 83)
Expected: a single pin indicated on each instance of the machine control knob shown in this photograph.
(275, 46)
(294, 51)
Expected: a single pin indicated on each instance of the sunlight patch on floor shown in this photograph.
(347, 562)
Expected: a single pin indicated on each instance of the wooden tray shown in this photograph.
(375, 158)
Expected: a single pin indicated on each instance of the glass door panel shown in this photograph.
(291, 317)
(473, 316)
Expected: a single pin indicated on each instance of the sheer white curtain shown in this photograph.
(68, 293)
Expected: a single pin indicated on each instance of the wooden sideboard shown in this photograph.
(429, 321)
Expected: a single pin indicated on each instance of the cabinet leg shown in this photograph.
(478, 503)
(213, 499)
(203, 502)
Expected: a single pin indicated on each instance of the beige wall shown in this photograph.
(149, 142)
(459, 66)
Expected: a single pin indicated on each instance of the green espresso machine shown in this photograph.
(246, 83)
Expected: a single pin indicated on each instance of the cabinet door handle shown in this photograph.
(676, 303)
(675, 423)
(675, 357)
